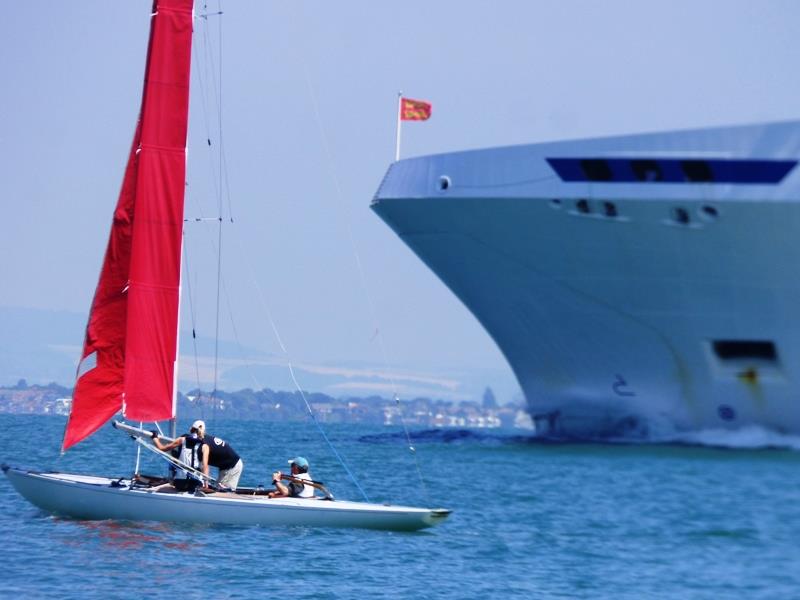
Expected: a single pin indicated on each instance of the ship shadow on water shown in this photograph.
(746, 438)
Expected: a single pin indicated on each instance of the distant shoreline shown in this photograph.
(281, 406)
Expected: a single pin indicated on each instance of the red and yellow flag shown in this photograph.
(414, 110)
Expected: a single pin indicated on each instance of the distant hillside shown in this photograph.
(44, 346)
(40, 346)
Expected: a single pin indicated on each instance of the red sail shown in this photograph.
(129, 353)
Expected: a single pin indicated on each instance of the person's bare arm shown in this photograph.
(282, 490)
(164, 447)
(205, 452)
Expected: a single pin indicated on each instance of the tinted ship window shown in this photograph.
(646, 170)
(745, 349)
(696, 170)
(596, 170)
(671, 170)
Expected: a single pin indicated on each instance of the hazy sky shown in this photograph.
(308, 111)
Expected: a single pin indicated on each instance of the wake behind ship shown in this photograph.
(633, 283)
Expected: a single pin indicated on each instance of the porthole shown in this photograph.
(680, 215)
(444, 183)
(583, 206)
(709, 213)
(610, 209)
(555, 203)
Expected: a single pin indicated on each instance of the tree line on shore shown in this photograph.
(274, 405)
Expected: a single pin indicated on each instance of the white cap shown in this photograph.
(198, 424)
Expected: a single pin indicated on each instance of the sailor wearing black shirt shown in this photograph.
(220, 455)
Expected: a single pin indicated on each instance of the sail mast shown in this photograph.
(130, 349)
(176, 364)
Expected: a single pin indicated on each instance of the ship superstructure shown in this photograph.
(631, 282)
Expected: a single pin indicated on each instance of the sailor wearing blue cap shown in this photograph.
(295, 489)
(301, 463)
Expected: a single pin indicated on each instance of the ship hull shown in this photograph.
(624, 307)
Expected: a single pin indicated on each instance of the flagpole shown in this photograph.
(397, 141)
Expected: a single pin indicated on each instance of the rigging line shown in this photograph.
(219, 207)
(202, 86)
(223, 181)
(209, 65)
(362, 276)
(217, 87)
(191, 471)
(325, 436)
(216, 248)
(138, 455)
(216, 329)
(247, 363)
(290, 366)
(226, 295)
(219, 106)
(209, 60)
(203, 102)
(191, 312)
(226, 182)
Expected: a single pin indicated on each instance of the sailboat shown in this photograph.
(132, 368)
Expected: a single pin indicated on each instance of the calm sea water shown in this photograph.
(530, 520)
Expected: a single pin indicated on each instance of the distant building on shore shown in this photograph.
(270, 405)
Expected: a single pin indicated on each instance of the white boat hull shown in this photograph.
(101, 498)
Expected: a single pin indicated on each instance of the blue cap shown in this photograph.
(299, 461)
